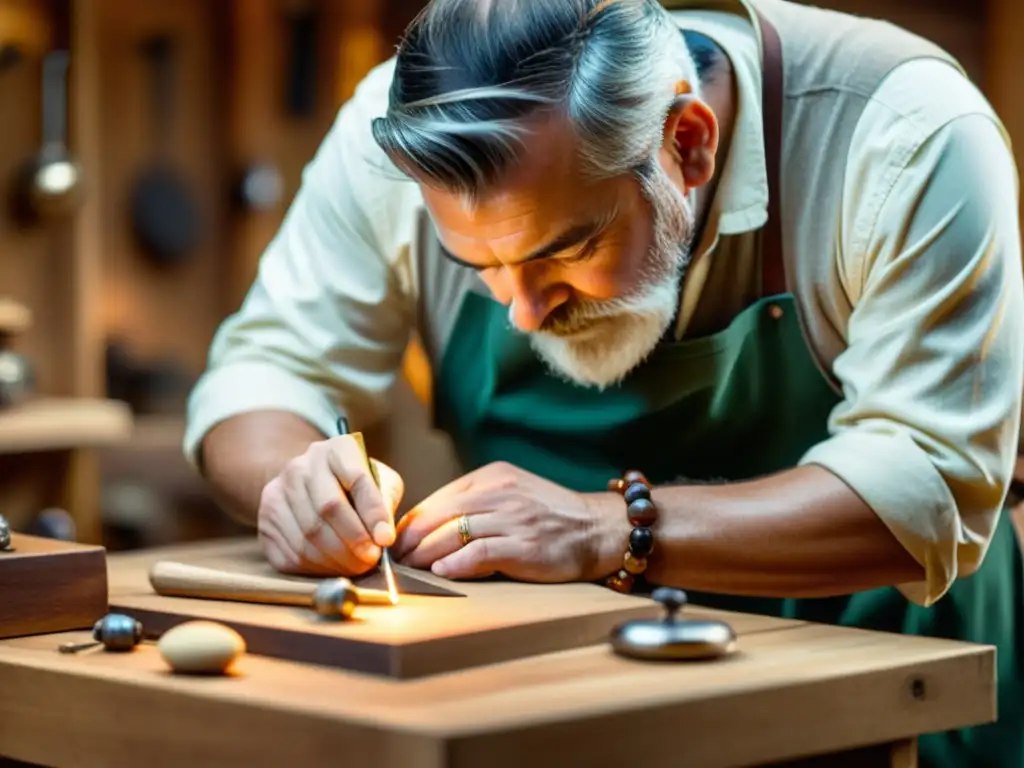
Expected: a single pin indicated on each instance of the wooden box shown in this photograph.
(51, 586)
(495, 621)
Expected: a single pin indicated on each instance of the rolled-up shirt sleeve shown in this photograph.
(932, 376)
(325, 323)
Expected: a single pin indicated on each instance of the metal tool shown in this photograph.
(173, 579)
(260, 187)
(52, 182)
(17, 378)
(115, 632)
(5, 535)
(386, 565)
(165, 213)
(671, 638)
(336, 598)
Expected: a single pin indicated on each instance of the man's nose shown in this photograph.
(532, 302)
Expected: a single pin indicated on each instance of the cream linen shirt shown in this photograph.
(928, 429)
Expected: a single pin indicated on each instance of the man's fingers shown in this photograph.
(317, 546)
(482, 557)
(275, 546)
(309, 558)
(392, 487)
(446, 539)
(331, 505)
(349, 465)
(438, 508)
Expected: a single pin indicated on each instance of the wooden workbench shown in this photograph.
(793, 690)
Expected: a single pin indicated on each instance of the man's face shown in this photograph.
(590, 270)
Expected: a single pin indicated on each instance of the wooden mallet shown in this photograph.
(333, 598)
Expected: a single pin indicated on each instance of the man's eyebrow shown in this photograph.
(575, 235)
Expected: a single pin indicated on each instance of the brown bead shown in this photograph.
(620, 582)
(636, 491)
(641, 542)
(633, 564)
(642, 512)
(635, 476)
(617, 485)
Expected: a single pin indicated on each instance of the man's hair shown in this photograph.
(472, 76)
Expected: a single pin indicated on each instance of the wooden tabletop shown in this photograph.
(792, 689)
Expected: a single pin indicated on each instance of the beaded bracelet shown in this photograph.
(642, 513)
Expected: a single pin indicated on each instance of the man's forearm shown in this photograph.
(801, 533)
(242, 454)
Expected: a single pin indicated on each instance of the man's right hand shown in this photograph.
(323, 514)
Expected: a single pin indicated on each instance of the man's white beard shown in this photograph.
(617, 335)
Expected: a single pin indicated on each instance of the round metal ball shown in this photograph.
(17, 378)
(262, 187)
(671, 598)
(117, 632)
(335, 598)
(5, 533)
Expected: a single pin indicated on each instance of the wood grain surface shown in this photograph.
(495, 621)
(793, 690)
(51, 586)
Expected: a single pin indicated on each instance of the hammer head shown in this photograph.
(335, 598)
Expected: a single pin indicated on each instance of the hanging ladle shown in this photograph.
(52, 181)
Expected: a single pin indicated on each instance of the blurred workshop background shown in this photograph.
(148, 151)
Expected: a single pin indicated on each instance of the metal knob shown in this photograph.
(115, 632)
(335, 599)
(5, 535)
(672, 599)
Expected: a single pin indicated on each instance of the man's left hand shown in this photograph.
(521, 525)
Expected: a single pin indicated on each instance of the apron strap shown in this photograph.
(773, 270)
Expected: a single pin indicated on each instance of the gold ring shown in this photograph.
(464, 533)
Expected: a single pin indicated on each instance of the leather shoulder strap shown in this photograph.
(773, 270)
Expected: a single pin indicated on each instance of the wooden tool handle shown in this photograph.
(180, 580)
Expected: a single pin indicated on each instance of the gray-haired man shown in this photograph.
(750, 241)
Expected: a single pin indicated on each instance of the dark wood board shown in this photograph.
(51, 586)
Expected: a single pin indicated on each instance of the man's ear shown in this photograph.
(691, 139)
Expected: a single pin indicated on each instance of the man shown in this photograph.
(794, 305)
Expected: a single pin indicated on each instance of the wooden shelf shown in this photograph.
(63, 424)
(14, 317)
(158, 433)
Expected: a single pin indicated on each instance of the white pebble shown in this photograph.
(201, 647)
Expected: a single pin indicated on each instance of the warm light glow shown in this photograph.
(389, 575)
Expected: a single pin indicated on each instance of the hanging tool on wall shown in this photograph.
(17, 374)
(301, 86)
(165, 213)
(260, 186)
(50, 185)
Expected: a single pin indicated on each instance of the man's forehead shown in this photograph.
(547, 181)
(509, 212)
(544, 204)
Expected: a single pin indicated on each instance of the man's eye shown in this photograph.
(585, 253)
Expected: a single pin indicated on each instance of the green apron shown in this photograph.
(743, 402)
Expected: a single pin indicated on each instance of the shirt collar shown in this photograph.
(741, 201)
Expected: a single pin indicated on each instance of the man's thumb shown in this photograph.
(392, 487)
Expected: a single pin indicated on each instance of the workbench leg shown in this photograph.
(897, 754)
(903, 754)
